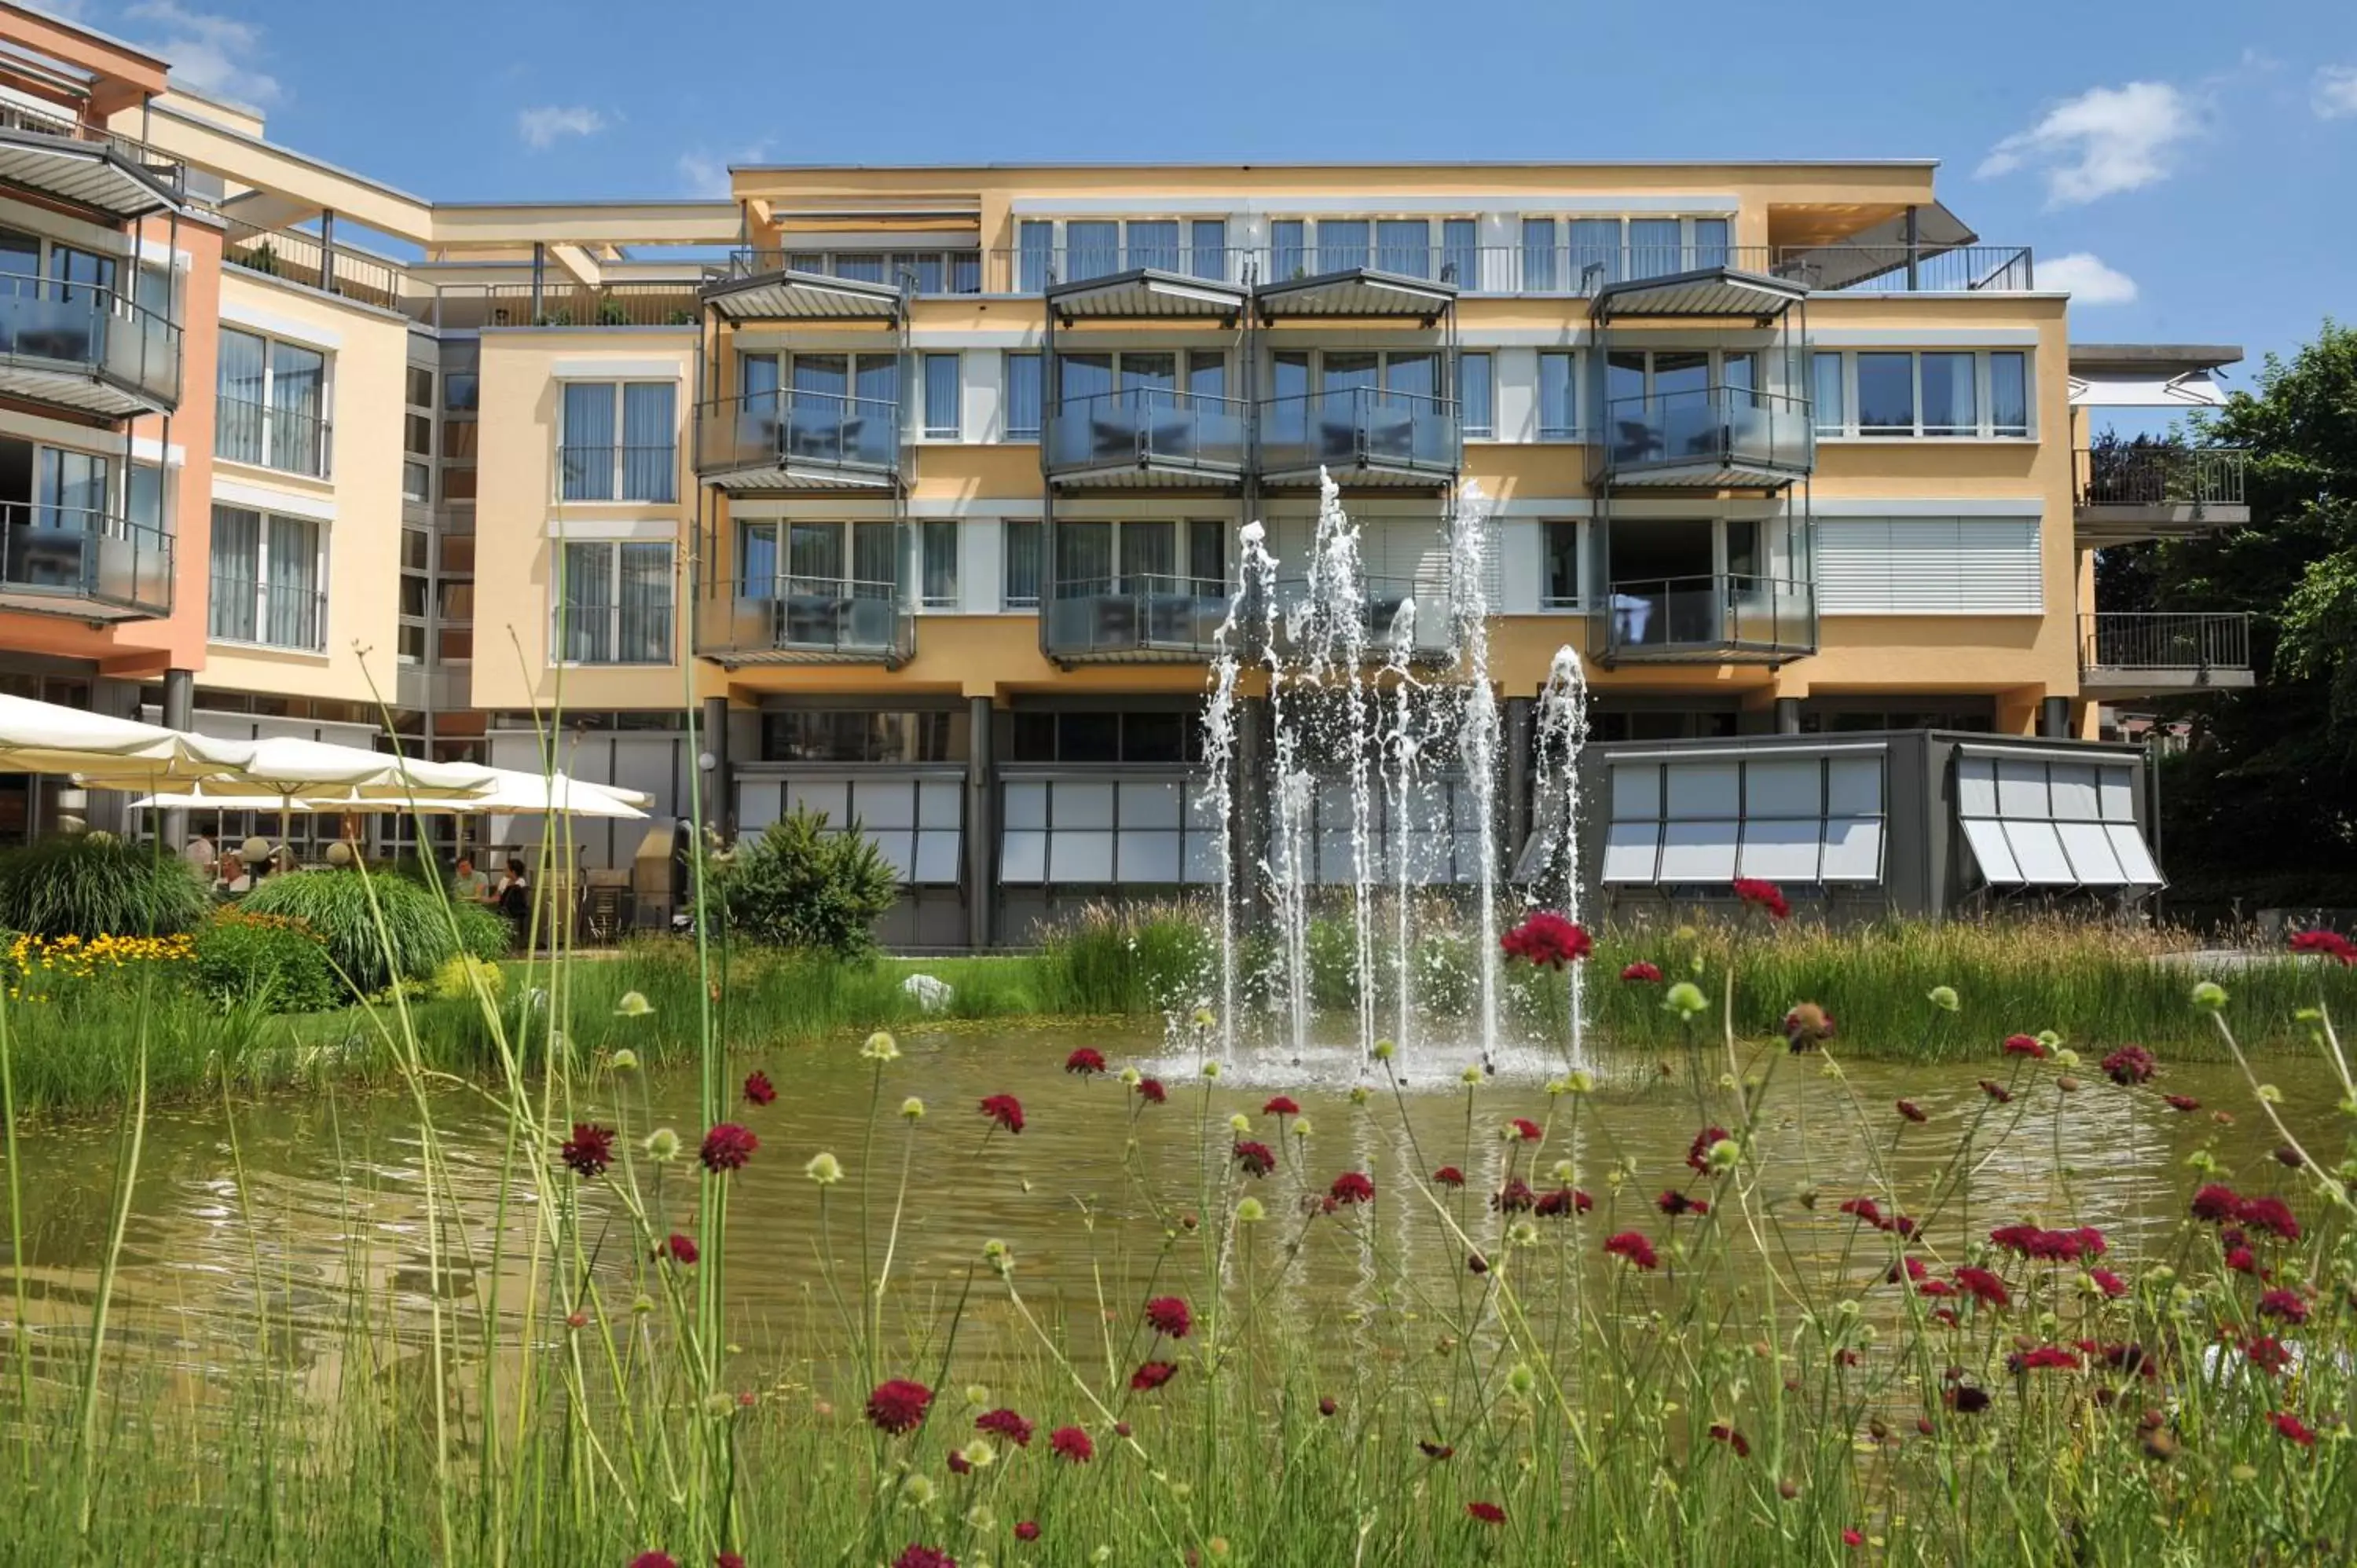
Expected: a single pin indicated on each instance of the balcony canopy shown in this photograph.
(1359, 293)
(789, 295)
(2148, 375)
(101, 174)
(1708, 291)
(1147, 294)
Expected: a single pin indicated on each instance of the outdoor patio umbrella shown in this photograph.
(512, 794)
(47, 738)
(288, 769)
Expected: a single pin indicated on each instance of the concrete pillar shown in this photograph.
(1519, 715)
(981, 821)
(1788, 716)
(2054, 718)
(712, 735)
(179, 713)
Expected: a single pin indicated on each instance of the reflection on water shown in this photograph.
(257, 1236)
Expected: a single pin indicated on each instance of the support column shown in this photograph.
(180, 713)
(1249, 791)
(719, 809)
(328, 252)
(2054, 718)
(1788, 716)
(538, 278)
(981, 821)
(1520, 712)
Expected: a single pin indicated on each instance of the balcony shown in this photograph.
(2135, 654)
(1900, 268)
(1712, 437)
(737, 293)
(85, 348)
(73, 561)
(805, 621)
(293, 256)
(1401, 620)
(85, 165)
(1147, 437)
(780, 441)
(1362, 436)
(1140, 617)
(1719, 618)
(2123, 493)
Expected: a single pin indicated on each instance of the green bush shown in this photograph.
(483, 933)
(799, 886)
(94, 885)
(269, 961)
(457, 978)
(422, 930)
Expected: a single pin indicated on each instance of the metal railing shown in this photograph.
(611, 472)
(267, 614)
(85, 554)
(1359, 428)
(2161, 475)
(64, 126)
(1725, 612)
(1716, 427)
(299, 258)
(2195, 640)
(783, 429)
(921, 272)
(1908, 269)
(96, 329)
(572, 304)
(852, 617)
(292, 440)
(1399, 618)
(1135, 612)
(615, 633)
(1148, 427)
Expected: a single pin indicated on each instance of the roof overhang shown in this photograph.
(1879, 248)
(1708, 291)
(789, 295)
(87, 174)
(1147, 294)
(2149, 375)
(1358, 293)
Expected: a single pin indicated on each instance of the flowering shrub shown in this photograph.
(37, 964)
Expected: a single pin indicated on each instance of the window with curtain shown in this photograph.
(1540, 272)
(1830, 406)
(1595, 257)
(1558, 397)
(1886, 394)
(2008, 399)
(297, 440)
(1460, 252)
(1288, 248)
(1404, 245)
(1154, 243)
(642, 629)
(650, 441)
(1949, 406)
(1560, 590)
(585, 614)
(756, 560)
(242, 385)
(1341, 244)
(1207, 247)
(1091, 249)
(72, 491)
(1035, 254)
(636, 461)
(937, 571)
(614, 604)
(1022, 371)
(1020, 542)
(233, 615)
(1475, 394)
(942, 393)
(876, 560)
(1083, 558)
(266, 580)
(1207, 555)
(587, 450)
(1958, 394)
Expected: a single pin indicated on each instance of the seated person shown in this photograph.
(233, 878)
(469, 884)
(514, 894)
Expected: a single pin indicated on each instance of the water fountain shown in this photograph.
(1391, 736)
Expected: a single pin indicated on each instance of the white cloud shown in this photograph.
(213, 55)
(704, 174)
(542, 127)
(2106, 140)
(2336, 92)
(2086, 279)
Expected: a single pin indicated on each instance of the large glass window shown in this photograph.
(1829, 406)
(1561, 588)
(614, 604)
(1936, 392)
(636, 461)
(1475, 394)
(1461, 252)
(1404, 245)
(1019, 542)
(267, 573)
(2008, 394)
(942, 396)
(1022, 397)
(1558, 396)
(1949, 408)
(1886, 394)
(1341, 244)
(1540, 272)
(1207, 242)
(271, 403)
(937, 552)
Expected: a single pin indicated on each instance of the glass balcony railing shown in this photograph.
(1708, 431)
(1397, 622)
(1136, 614)
(1360, 431)
(1147, 428)
(292, 440)
(49, 327)
(854, 438)
(83, 556)
(825, 617)
(1721, 615)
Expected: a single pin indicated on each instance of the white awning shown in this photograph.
(48, 737)
(1792, 814)
(2145, 389)
(2039, 819)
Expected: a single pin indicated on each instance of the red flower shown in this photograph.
(1852, 1538)
(1514, 1196)
(2049, 1246)
(680, 1248)
(1966, 1400)
(1448, 1176)
(1004, 1424)
(1004, 1109)
(2215, 1202)
(1167, 1314)
(897, 1405)
(2293, 1428)
(2110, 1283)
(1280, 1105)
(1257, 1159)
(1085, 1061)
(959, 1464)
(2130, 1065)
(1528, 1131)
(1149, 1090)
(589, 1151)
(1913, 1112)
(1866, 1211)
(1151, 1376)
(2044, 1356)
(1763, 895)
(726, 1148)
(1807, 1024)
(1027, 1530)
(758, 1090)
(652, 1559)
(2182, 1102)
(2285, 1305)
(1675, 1203)
(2025, 1046)
(1548, 938)
(1071, 1444)
(1435, 1450)
(1326, 1405)
(2272, 1215)
(2325, 944)
(1632, 1246)
(1724, 1433)
(923, 1557)
(2289, 1158)
(1487, 1513)
(2241, 1260)
(1937, 1288)
(1643, 973)
(2267, 1353)
(728, 1560)
(1563, 1201)
(1983, 1286)
(1699, 1152)
(1910, 1267)
(1352, 1188)
(1996, 1091)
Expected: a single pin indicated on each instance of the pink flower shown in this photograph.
(1025, 1530)
(589, 1150)
(1852, 1538)
(1004, 1424)
(1913, 1112)
(2284, 1304)
(1448, 1176)
(2182, 1102)
(917, 1556)
(1167, 1315)
(1150, 1090)
(1085, 1061)
(726, 1148)
(2130, 1064)
(1253, 1159)
(1634, 1247)
(1985, 1286)
(1763, 895)
(682, 1249)
(652, 1559)
(1643, 973)
(2110, 1283)
(2044, 1356)
(1071, 1444)
(1548, 938)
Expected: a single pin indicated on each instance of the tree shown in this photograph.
(2263, 806)
(798, 886)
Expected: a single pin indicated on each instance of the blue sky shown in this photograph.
(2188, 168)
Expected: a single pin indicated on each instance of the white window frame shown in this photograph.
(617, 385)
(613, 611)
(270, 342)
(905, 562)
(1182, 526)
(1561, 248)
(933, 427)
(320, 547)
(1582, 564)
(1489, 357)
(1039, 576)
(1984, 429)
(1060, 244)
(1579, 430)
(955, 598)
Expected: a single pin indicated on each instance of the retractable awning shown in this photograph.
(2051, 819)
(1356, 293)
(1147, 294)
(789, 295)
